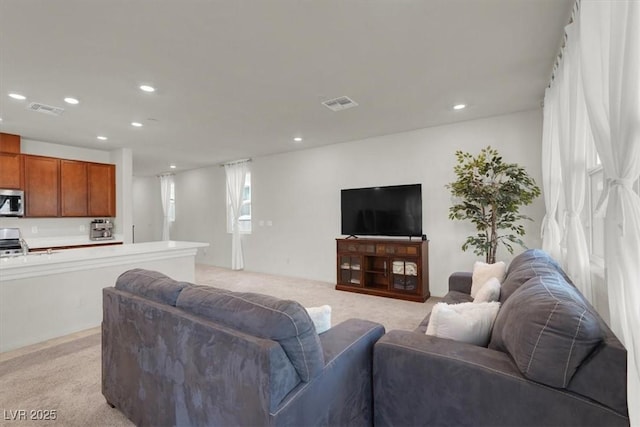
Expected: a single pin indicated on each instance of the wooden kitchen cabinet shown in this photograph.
(11, 171)
(73, 188)
(10, 143)
(10, 162)
(101, 189)
(41, 186)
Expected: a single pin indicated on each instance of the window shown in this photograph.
(245, 209)
(594, 225)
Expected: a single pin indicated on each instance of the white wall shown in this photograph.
(201, 212)
(299, 193)
(123, 222)
(60, 227)
(147, 209)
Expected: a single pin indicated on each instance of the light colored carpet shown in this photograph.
(392, 313)
(64, 375)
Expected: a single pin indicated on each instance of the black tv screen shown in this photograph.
(382, 211)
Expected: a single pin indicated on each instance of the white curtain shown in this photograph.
(574, 134)
(610, 62)
(551, 176)
(165, 193)
(236, 174)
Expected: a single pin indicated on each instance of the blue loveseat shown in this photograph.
(174, 353)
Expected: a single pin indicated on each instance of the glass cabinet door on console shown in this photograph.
(404, 274)
(350, 268)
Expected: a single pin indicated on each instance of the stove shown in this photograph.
(11, 242)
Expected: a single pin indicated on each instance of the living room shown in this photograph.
(295, 187)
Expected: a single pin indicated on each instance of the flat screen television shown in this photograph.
(382, 211)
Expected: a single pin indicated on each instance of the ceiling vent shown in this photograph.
(46, 109)
(341, 103)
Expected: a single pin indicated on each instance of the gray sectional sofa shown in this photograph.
(174, 353)
(178, 354)
(551, 361)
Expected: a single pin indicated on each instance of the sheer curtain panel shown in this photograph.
(165, 192)
(610, 62)
(551, 176)
(574, 132)
(236, 174)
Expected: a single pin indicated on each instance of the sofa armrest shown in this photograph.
(425, 380)
(342, 393)
(460, 281)
(336, 340)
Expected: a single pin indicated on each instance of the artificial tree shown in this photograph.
(489, 193)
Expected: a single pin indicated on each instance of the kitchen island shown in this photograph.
(47, 295)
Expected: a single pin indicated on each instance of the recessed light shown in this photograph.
(459, 106)
(70, 100)
(136, 124)
(297, 139)
(102, 138)
(172, 166)
(17, 96)
(147, 88)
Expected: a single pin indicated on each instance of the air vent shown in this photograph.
(46, 109)
(339, 104)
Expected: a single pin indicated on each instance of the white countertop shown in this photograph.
(64, 260)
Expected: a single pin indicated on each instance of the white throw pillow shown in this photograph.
(483, 272)
(321, 317)
(489, 292)
(467, 322)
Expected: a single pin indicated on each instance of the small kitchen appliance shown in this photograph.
(12, 243)
(101, 229)
(11, 202)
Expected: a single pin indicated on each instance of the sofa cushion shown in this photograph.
(284, 321)
(455, 297)
(529, 264)
(548, 329)
(466, 322)
(151, 284)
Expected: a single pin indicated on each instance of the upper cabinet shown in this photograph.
(10, 162)
(101, 189)
(57, 187)
(68, 188)
(87, 189)
(11, 171)
(73, 188)
(41, 186)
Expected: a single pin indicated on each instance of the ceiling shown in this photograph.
(242, 78)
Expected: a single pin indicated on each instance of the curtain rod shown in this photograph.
(165, 174)
(235, 162)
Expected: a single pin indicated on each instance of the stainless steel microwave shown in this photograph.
(11, 202)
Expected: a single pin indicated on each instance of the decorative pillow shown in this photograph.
(466, 322)
(321, 317)
(489, 292)
(483, 272)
